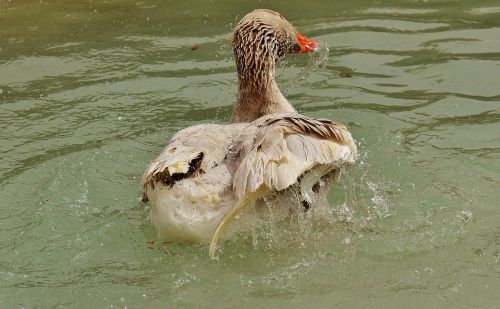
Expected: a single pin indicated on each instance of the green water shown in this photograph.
(90, 91)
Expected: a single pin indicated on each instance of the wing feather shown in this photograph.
(199, 147)
(287, 145)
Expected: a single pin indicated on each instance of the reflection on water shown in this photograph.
(90, 92)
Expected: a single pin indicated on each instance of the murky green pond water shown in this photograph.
(91, 90)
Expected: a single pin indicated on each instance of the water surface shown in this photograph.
(91, 91)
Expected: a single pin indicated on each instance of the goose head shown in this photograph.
(263, 37)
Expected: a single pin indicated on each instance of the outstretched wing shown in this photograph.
(286, 146)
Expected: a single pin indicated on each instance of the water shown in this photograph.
(91, 91)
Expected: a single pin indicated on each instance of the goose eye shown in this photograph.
(295, 48)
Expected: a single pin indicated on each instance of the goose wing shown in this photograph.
(286, 146)
(277, 150)
(194, 149)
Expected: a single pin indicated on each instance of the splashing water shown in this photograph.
(360, 196)
(278, 223)
(300, 72)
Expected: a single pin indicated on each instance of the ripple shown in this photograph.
(383, 24)
(90, 92)
(485, 10)
(402, 11)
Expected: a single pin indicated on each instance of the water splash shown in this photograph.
(317, 61)
(279, 223)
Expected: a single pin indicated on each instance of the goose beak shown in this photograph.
(306, 45)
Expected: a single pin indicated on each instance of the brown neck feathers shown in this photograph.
(256, 50)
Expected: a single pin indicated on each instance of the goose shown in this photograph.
(209, 173)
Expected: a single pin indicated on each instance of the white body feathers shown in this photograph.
(206, 169)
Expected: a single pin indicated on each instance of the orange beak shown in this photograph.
(306, 45)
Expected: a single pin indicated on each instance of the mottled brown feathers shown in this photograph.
(260, 39)
(322, 128)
